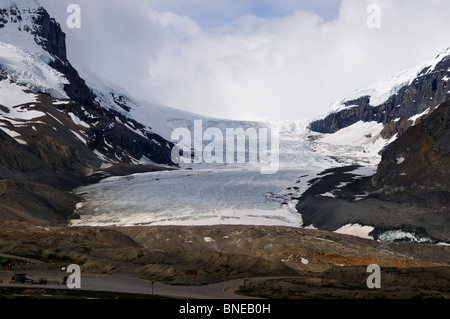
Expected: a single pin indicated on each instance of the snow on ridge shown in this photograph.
(159, 119)
(105, 92)
(435, 61)
(381, 91)
(18, 32)
(25, 62)
(360, 133)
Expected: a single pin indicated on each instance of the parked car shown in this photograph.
(21, 278)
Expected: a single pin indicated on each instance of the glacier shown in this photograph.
(237, 194)
(183, 197)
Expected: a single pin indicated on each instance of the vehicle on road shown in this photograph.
(23, 278)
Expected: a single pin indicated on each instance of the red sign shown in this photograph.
(191, 272)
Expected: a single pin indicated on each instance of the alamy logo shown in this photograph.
(74, 19)
(214, 146)
(74, 280)
(374, 18)
(374, 280)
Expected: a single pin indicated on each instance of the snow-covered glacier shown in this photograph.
(231, 194)
(199, 197)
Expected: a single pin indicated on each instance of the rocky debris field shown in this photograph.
(361, 203)
(218, 253)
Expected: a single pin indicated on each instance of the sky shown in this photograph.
(249, 59)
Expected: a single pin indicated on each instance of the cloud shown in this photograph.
(285, 63)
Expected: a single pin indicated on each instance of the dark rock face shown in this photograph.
(335, 122)
(429, 89)
(111, 128)
(30, 189)
(50, 35)
(34, 202)
(76, 90)
(420, 158)
(14, 157)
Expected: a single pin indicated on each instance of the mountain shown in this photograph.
(34, 56)
(397, 102)
(407, 198)
(55, 131)
(405, 119)
(415, 167)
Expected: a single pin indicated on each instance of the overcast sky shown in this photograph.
(251, 59)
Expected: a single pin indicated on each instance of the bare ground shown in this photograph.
(335, 263)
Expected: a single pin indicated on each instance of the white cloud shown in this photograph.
(290, 66)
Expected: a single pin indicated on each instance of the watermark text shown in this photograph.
(227, 146)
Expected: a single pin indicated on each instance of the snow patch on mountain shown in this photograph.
(358, 144)
(360, 133)
(13, 94)
(418, 116)
(356, 230)
(77, 121)
(31, 70)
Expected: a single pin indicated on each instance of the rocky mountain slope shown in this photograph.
(37, 40)
(408, 197)
(416, 166)
(397, 102)
(54, 132)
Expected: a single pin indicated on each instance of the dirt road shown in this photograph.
(131, 284)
